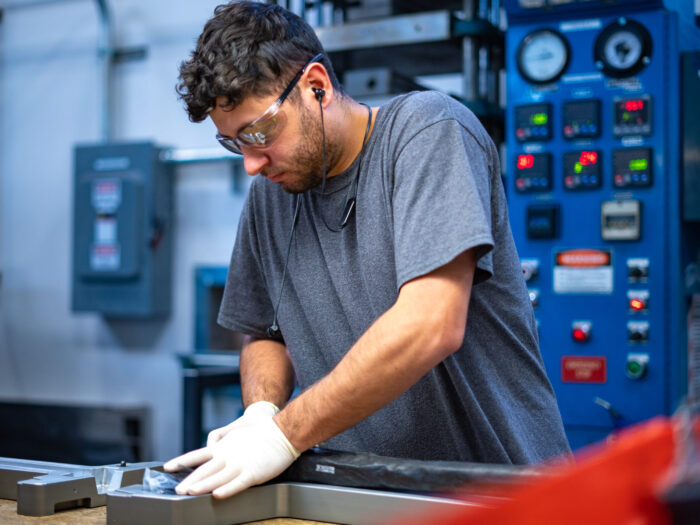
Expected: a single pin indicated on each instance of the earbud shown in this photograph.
(320, 93)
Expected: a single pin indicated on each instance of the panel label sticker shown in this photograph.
(105, 257)
(583, 271)
(584, 369)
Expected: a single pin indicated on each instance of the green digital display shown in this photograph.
(639, 164)
(633, 167)
(539, 119)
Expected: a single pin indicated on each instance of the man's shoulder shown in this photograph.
(420, 109)
(434, 104)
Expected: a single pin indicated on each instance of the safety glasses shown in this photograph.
(265, 129)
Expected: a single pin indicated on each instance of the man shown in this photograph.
(374, 262)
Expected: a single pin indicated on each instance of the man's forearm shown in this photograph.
(419, 331)
(266, 372)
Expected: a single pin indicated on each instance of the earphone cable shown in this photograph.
(274, 330)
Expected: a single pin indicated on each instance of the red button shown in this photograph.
(637, 304)
(581, 331)
(580, 335)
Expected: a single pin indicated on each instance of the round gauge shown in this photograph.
(543, 56)
(622, 49)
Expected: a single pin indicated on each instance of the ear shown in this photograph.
(315, 81)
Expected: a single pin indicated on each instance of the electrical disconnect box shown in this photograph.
(122, 231)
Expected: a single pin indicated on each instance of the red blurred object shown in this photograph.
(611, 483)
(634, 105)
(588, 158)
(580, 335)
(525, 161)
(637, 304)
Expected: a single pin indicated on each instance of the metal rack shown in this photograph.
(381, 56)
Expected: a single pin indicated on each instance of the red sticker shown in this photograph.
(584, 369)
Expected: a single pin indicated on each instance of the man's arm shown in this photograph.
(424, 326)
(267, 378)
(266, 372)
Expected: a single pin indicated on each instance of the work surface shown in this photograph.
(97, 516)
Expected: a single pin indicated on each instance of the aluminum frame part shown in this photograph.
(397, 30)
(42, 487)
(324, 503)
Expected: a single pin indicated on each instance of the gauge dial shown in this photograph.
(622, 49)
(543, 56)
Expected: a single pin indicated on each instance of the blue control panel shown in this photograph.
(592, 173)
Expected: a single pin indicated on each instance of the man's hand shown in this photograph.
(249, 451)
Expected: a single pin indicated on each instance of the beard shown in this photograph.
(306, 166)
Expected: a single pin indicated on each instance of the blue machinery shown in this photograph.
(603, 198)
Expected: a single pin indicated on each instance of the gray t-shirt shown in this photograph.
(429, 188)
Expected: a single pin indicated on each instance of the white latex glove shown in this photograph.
(249, 451)
(260, 409)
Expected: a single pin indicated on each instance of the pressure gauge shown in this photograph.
(543, 56)
(622, 49)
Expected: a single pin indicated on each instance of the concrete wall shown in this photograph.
(49, 101)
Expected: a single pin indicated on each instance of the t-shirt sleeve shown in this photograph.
(246, 305)
(441, 201)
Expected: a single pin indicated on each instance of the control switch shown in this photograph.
(636, 366)
(581, 331)
(637, 270)
(531, 268)
(638, 301)
(534, 297)
(638, 332)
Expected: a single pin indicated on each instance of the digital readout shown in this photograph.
(632, 116)
(632, 167)
(533, 122)
(532, 172)
(581, 119)
(582, 170)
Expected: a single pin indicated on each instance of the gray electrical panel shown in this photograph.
(122, 231)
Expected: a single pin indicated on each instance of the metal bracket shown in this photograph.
(134, 506)
(42, 487)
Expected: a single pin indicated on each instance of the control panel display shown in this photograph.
(632, 116)
(621, 220)
(632, 168)
(533, 122)
(582, 170)
(581, 119)
(533, 173)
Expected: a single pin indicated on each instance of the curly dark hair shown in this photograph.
(246, 47)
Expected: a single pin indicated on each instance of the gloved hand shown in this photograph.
(249, 451)
(260, 409)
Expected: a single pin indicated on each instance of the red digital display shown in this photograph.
(634, 105)
(632, 116)
(588, 158)
(525, 162)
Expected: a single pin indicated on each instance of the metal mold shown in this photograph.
(42, 487)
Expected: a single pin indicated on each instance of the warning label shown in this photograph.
(583, 271)
(105, 257)
(583, 369)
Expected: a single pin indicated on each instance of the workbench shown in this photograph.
(97, 516)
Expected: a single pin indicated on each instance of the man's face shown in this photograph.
(295, 159)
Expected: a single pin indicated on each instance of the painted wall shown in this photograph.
(49, 101)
